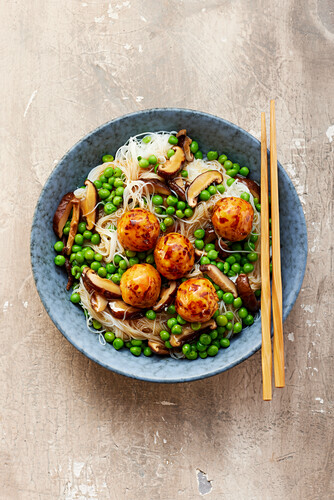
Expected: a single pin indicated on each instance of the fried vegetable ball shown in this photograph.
(196, 300)
(138, 230)
(174, 256)
(140, 286)
(232, 218)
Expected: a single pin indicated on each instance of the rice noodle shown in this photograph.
(136, 193)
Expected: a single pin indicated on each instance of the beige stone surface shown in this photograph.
(69, 428)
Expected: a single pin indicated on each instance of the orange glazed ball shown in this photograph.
(140, 286)
(196, 300)
(232, 218)
(138, 230)
(174, 256)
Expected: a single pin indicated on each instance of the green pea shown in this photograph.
(229, 315)
(150, 314)
(118, 172)
(117, 200)
(192, 355)
(58, 246)
(236, 166)
(96, 324)
(59, 260)
(249, 320)
(203, 354)
(242, 313)
(143, 163)
(200, 347)
(141, 255)
(152, 159)
(109, 208)
(248, 268)
(220, 188)
(216, 343)
(176, 330)
(146, 139)
(123, 264)
(221, 330)
(231, 259)
(179, 214)
(109, 172)
(169, 221)
(98, 257)
(209, 246)
(253, 238)
(229, 326)
(87, 235)
(181, 205)
(245, 196)
(220, 294)
(164, 335)
(212, 155)
(172, 200)
(107, 186)
(133, 261)
(212, 190)
(229, 182)
(104, 193)
(79, 257)
(204, 260)
(79, 239)
(220, 266)
(136, 351)
(258, 207)
(98, 184)
(225, 343)
(119, 191)
(231, 273)
(171, 322)
(226, 267)
(102, 272)
(236, 268)
(231, 172)
(228, 164)
(89, 254)
(212, 254)
(118, 183)
(237, 303)
(199, 155)
(195, 326)
(237, 327)
(228, 298)
(222, 158)
(199, 234)
(128, 345)
(168, 344)
(173, 140)
(118, 344)
(157, 200)
(109, 336)
(95, 265)
(103, 178)
(258, 293)
(186, 348)
(252, 257)
(212, 350)
(107, 158)
(244, 171)
(205, 339)
(170, 210)
(75, 298)
(188, 213)
(204, 195)
(116, 278)
(171, 309)
(95, 239)
(194, 147)
(159, 210)
(162, 227)
(150, 259)
(199, 244)
(82, 227)
(147, 351)
(110, 268)
(221, 320)
(170, 153)
(136, 342)
(214, 334)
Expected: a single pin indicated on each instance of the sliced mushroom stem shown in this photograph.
(220, 279)
(201, 182)
(120, 310)
(210, 234)
(253, 186)
(62, 213)
(184, 143)
(98, 302)
(246, 293)
(188, 334)
(177, 185)
(89, 205)
(220, 247)
(166, 296)
(93, 282)
(172, 166)
(73, 226)
(156, 186)
(158, 348)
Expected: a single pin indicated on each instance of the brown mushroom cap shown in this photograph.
(120, 310)
(246, 293)
(220, 279)
(178, 186)
(93, 282)
(156, 186)
(188, 334)
(184, 143)
(158, 348)
(210, 234)
(172, 166)
(88, 205)
(201, 182)
(252, 186)
(98, 302)
(73, 226)
(166, 296)
(62, 213)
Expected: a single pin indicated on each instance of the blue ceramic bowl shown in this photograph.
(212, 133)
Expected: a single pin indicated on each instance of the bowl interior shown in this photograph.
(212, 133)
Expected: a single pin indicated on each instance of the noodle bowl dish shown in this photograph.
(155, 253)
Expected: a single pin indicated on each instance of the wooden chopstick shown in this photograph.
(266, 355)
(276, 257)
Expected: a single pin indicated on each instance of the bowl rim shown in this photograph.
(91, 356)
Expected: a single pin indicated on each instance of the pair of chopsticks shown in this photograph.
(266, 354)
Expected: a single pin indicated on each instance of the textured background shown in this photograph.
(72, 430)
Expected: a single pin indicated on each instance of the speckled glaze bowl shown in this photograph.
(212, 133)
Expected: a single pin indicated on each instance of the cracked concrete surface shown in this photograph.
(72, 430)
